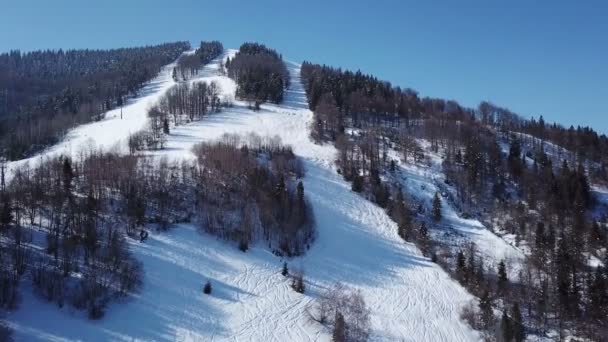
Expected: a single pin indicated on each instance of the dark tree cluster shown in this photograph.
(182, 103)
(245, 200)
(583, 143)
(45, 93)
(342, 99)
(259, 73)
(366, 118)
(64, 222)
(85, 261)
(188, 65)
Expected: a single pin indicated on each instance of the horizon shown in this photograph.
(534, 59)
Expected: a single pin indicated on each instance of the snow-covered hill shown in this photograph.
(411, 298)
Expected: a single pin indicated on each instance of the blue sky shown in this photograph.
(534, 57)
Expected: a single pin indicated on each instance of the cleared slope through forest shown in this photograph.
(410, 298)
(114, 129)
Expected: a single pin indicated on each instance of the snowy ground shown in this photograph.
(411, 299)
(112, 131)
(420, 181)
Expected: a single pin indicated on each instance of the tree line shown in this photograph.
(188, 65)
(259, 73)
(45, 93)
(583, 142)
(342, 98)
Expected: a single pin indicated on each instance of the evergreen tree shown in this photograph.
(460, 263)
(436, 207)
(339, 333)
(207, 287)
(401, 215)
(424, 232)
(515, 159)
(6, 215)
(485, 308)
(519, 334)
(300, 192)
(506, 328)
(503, 279)
(68, 175)
(243, 245)
(166, 126)
(598, 296)
(357, 185)
(563, 261)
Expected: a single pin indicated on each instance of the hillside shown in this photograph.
(253, 301)
(411, 286)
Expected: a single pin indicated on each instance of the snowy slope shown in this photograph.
(411, 299)
(420, 181)
(112, 131)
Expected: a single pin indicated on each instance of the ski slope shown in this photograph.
(410, 298)
(114, 129)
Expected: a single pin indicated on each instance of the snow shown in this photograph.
(112, 131)
(411, 298)
(600, 194)
(419, 180)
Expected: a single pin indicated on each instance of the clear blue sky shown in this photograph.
(534, 57)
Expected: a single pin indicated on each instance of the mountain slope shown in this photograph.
(410, 298)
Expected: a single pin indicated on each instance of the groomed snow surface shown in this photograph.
(411, 299)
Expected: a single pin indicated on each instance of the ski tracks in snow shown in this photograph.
(410, 298)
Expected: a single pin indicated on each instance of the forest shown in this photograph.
(65, 222)
(259, 73)
(189, 65)
(45, 93)
(538, 189)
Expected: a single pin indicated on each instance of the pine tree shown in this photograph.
(166, 126)
(436, 207)
(424, 232)
(519, 334)
(485, 307)
(515, 159)
(460, 263)
(68, 175)
(339, 333)
(357, 185)
(401, 214)
(243, 245)
(207, 288)
(458, 157)
(6, 215)
(503, 279)
(598, 295)
(300, 192)
(506, 328)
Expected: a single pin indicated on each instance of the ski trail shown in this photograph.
(410, 298)
(113, 130)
